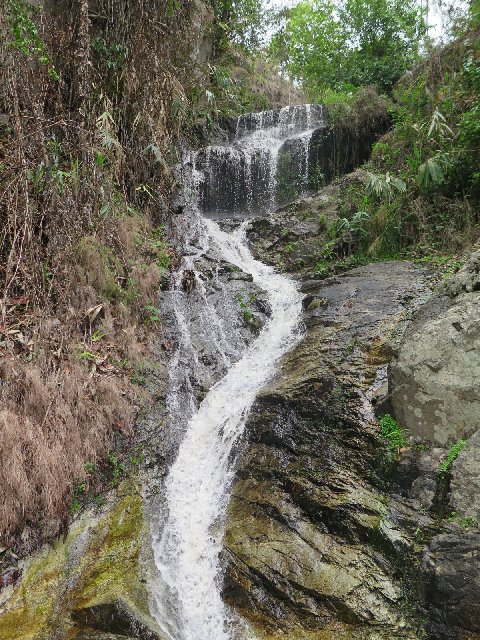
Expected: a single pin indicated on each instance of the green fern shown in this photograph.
(393, 433)
(450, 459)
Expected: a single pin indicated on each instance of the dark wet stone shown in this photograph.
(310, 541)
(116, 618)
(452, 584)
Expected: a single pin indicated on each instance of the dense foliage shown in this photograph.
(239, 21)
(420, 192)
(342, 46)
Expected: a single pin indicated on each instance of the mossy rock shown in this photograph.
(98, 635)
(97, 567)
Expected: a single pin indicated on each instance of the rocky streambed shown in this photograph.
(328, 534)
(313, 540)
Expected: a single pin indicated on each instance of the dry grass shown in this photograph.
(49, 427)
(65, 381)
(80, 205)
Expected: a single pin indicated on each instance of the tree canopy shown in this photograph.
(240, 21)
(348, 44)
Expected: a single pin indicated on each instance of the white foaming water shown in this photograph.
(187, 589)
(240, 178)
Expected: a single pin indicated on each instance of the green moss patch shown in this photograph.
(98, 563)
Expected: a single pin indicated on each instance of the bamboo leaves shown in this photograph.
(384, 186)
(434, 170)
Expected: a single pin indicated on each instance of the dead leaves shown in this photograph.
(19, 338)
(93, 312)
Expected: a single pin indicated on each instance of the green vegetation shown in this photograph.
(466, 522)
(419, 194)
(452, 455)
(152, 313)
(97, 335)
(78, 494)
(343, 46)
(138, 456)
(392, 433)
(138, 379)
(25, 35)
(240, 22)
(245, 301)
(113, 54)
(434, 155)
(89, 467)
(117, 468)
(85, 356)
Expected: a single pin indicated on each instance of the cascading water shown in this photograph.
(265, 163)
(187, 546)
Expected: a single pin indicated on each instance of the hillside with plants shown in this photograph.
(418, 195)
(91, 118)
(95, 108)
(239, 338)
(421, 194)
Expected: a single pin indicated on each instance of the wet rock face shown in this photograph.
(338, 150)
(436, 379)
(90, 586)
(322, 540)
(310, 543)
(114, 617)
(265, 164)
(98, 635)
(235, 182)
(212, 312)
(452, 579)
(292, 238)
(296, 117)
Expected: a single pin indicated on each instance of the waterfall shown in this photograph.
(188, 542)
(268, 155)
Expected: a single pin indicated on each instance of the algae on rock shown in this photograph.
(97, 567)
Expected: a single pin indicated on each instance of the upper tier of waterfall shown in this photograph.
(266, 162)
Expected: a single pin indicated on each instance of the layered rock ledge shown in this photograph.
(311, 543)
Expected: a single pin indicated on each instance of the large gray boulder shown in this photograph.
(436, 380)
(467, 278)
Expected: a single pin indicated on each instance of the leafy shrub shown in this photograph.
(384, 186)
(26, 37)
(452, 455)
(392, 433)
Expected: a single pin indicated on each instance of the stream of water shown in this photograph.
(235, 179)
